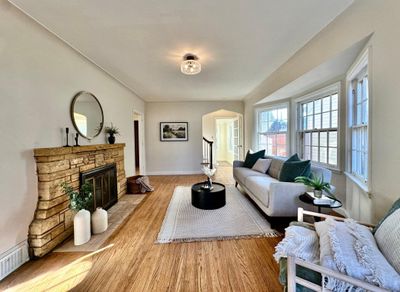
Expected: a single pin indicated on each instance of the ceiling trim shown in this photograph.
(76, 50)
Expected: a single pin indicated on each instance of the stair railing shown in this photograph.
(208, 152)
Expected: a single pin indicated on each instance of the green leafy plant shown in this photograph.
(317, 183)
(81, 199)
(112, 130)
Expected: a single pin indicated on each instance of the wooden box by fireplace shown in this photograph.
(103, 181)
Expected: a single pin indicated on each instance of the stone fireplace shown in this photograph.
(53, 220)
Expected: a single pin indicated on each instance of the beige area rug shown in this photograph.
(116, 216)
(237, 219)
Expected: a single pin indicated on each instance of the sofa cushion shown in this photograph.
(262, 165)
(388, 239)
(242, 173)
(292, 169)
(251, 158)
(259, 186)
(276, 166)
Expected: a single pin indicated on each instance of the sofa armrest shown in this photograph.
(237, 163)
(284, 198)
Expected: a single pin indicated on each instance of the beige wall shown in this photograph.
(358, 21)
(179, 157)
(39, 75)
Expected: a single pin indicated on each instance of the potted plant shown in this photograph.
(80, 202)
(318, 185)
(111, 131)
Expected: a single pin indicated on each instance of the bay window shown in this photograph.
(272, 130)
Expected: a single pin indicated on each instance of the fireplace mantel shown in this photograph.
(52, 222)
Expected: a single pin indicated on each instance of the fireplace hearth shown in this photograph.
(102, 164)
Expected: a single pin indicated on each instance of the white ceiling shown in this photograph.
(141, 43)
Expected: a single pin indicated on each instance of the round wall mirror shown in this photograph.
(87, 114)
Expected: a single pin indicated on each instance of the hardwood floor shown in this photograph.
(131, 261)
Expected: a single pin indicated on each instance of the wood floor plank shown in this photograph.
(132, 261)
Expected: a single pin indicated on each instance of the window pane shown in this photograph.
(305, 123)
(326, 120)
(334, 119)
(358, 114)
(326, 104)
(310, 108)
(317, 121)
(314, 154)
(323, 139)
(307, 153)
(307, 139)
(310, 123)
(334, 102)
(317, 106)
(323, 154)
(304, 109)
(332, 156)
(315, 139)
(333, 139)
(364, 112)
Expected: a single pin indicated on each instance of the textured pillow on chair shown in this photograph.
(251, 158)
(292, 169)
(387, 237)
(262, 165)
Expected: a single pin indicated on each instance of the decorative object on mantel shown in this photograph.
(209, 173)
(111, 131)
(87, 115)
(317, 183)
(80, 202)
(99, 221)
(67, 134)
(173, 131)
(77, 140)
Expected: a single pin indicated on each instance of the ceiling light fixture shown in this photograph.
(190, 65)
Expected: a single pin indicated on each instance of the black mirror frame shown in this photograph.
(72, 114)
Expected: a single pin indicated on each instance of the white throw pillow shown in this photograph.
(262, 165)
(350, 248)
(388, 239)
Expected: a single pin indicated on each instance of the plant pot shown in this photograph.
(99, 221)
(318, 193)
(111, 139)
(82, 227)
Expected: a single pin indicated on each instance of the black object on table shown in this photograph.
(306, 199)
(208, 199)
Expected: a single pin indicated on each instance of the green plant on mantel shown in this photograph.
(317, 183)
(112, 130)
(79, 200)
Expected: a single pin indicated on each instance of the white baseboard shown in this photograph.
(174, 172)
(13, 259)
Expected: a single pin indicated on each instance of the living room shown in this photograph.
(312, 78)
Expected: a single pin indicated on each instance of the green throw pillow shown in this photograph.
(395, 206)
(292, 169)
(251, 158)
(294, 157)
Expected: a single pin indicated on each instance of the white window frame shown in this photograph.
(354, 73)
(268, 108)
(334, 88)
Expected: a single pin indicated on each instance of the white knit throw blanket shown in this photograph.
(299, 242)
(144, 184)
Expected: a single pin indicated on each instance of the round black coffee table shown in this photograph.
(208, 199)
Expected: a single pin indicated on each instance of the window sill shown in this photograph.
(327, 166)
(362, 185)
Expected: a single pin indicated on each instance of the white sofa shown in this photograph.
(275, 198)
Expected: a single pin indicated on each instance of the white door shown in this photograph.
(237, 138)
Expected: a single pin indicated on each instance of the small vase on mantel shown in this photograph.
(82, 230)
(99, 221)
(111, 139)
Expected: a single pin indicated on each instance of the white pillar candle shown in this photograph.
(82, 227)
(99, 221)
